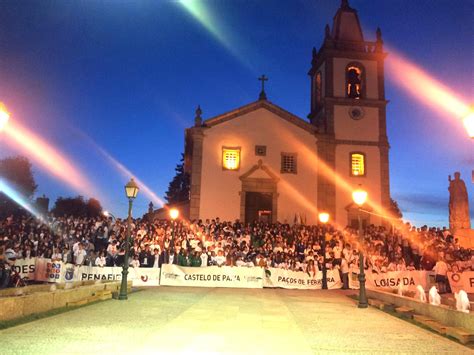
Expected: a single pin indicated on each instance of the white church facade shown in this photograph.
(261, 162)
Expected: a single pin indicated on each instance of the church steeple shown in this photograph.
(346, 25)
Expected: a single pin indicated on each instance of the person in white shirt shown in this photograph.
(100, 260)
(80, 255)
(135, 263)
(441, 270)
(345, 273)
(204, 258)
(56, 256)
(220, 258)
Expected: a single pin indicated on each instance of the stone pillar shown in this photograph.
(196, 173)
(326, 177)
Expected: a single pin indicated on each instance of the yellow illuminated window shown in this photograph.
(357, 164)
(231, 158)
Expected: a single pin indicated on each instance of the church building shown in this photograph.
(261, 162)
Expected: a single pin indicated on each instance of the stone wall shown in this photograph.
(442, 314)
(40, 298)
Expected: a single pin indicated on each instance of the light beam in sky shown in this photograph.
(17, 197)
(199, 10)
(51, 159)
(424, 87)
(122, 169)
(4, 116)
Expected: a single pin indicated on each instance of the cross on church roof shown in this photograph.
(263, 95)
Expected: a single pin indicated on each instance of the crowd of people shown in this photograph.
(101, 241)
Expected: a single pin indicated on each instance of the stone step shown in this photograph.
(106, 297)
(419, 318)
(464, 335)
(434, 325)
(76, 303)
(405, 311)
(375, 303)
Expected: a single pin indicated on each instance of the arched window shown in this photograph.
(355, 81)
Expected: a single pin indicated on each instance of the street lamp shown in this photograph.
(324, 218)
(174, 214)
(109, 215)
(360, 196)
(131, 191)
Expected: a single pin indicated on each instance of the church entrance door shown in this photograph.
(258, 207)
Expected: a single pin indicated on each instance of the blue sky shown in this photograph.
(129, 74)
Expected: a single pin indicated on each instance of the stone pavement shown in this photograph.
(175, 320)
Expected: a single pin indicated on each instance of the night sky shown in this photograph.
(129, 75)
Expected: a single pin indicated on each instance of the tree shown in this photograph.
(76, 207)
(16, 171)
(394, 209)
(178, 188)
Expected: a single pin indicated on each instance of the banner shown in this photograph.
(49, 271)
(461, 281)
(40, 269)
(139, 276)
(25, 267)
(212, 276)
(406, 280)
(300, 280)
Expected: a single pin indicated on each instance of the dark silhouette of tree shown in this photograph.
(76, 207)
(94, 208)
(394, 209)
(17, 172)
(178, 188)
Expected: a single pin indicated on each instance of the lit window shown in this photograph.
(231, 158)
(288, 163)
(357, 164)
(354, 82)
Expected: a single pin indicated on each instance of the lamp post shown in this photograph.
(360, 197)
(174, 213)
(324, 218)
(131, 191)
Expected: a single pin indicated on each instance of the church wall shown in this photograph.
(370, 182)
(371, 88)
(366, 129)
(220, 188)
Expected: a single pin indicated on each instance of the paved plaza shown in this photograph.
(175, 320)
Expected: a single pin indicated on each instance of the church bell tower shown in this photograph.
(348, 107)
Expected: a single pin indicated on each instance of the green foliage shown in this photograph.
(76, 207)
(178, 188)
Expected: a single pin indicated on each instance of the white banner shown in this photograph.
(461, 281)
(301, 280)
(212, 276)
(25, 267)
(50, 271)
(139, 276)
(406, 280)
(40, 269)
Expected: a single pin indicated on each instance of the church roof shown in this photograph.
(277, 110)
(346, 25)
